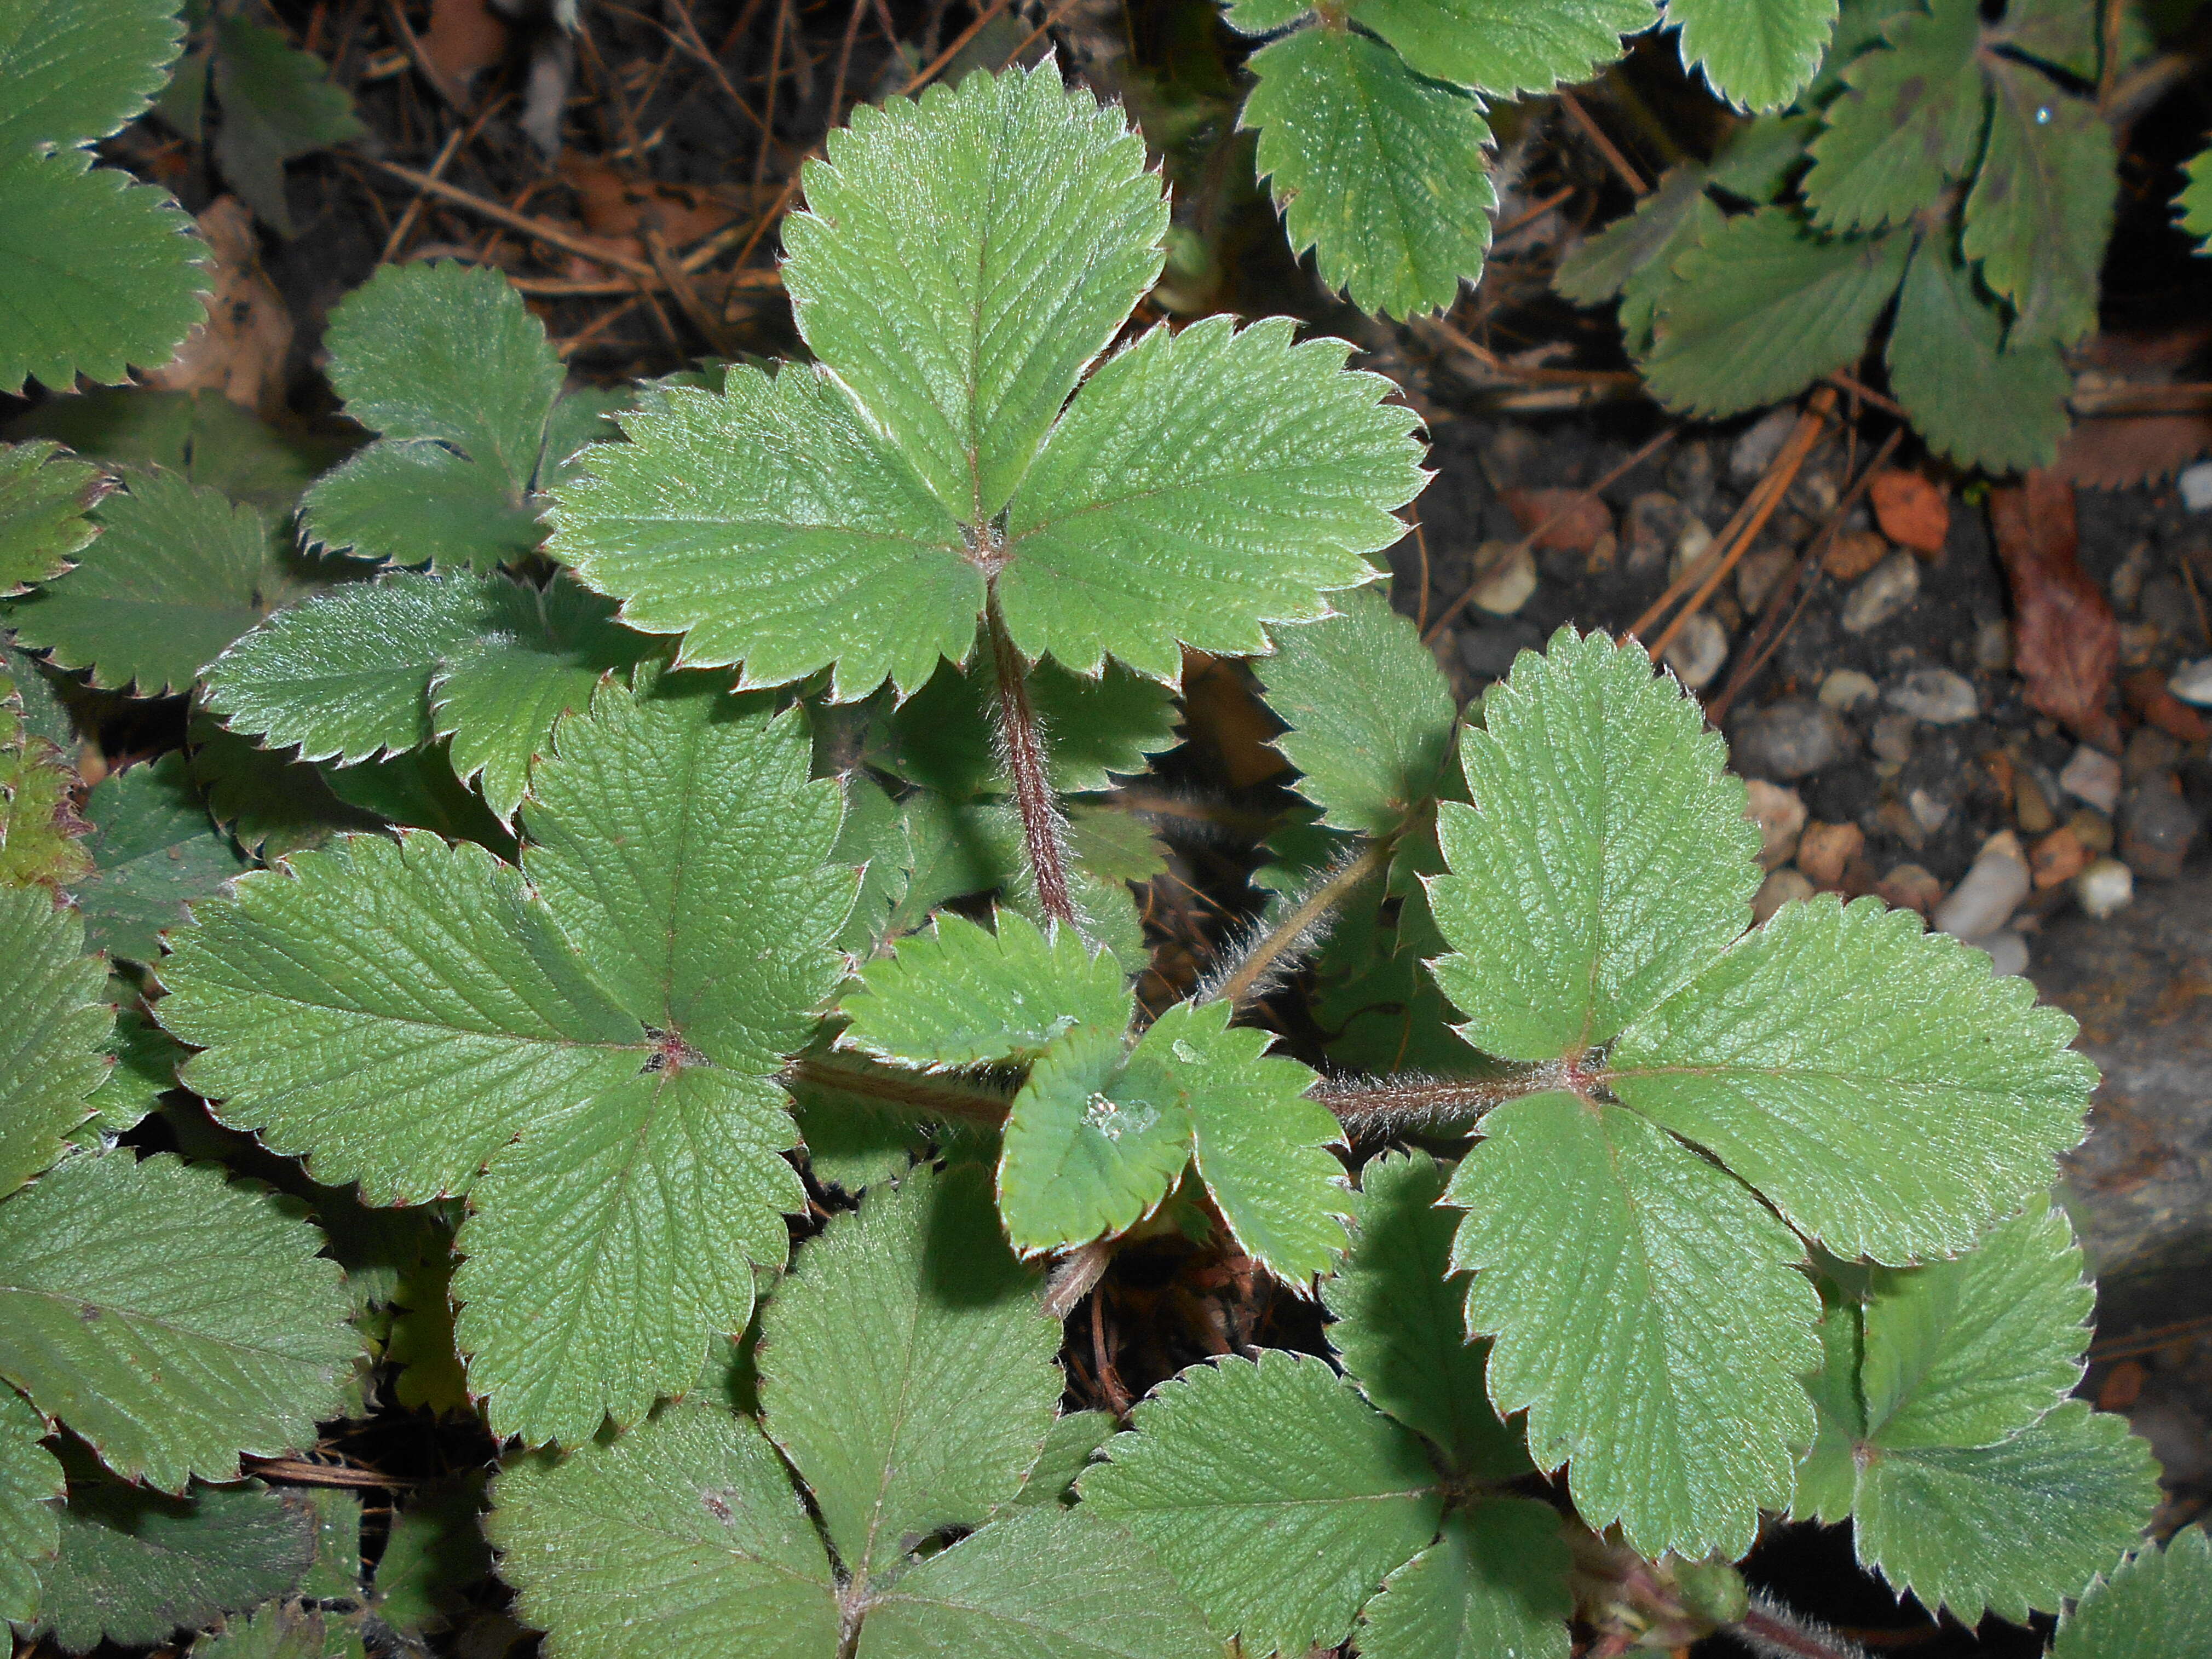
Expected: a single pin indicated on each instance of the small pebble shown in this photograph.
(1697, 652)
(1755, 577)
(1993, 647)
(2156, 828)
(1653, 519)
(1934, 694)
(1825, 849)
(1929, 813)
(1854, 553)
(1892, 738)
(2007, 952)
(1508, 585)
(1754, 451)
(1776, 890)
(1991, 891)
(1780, 815)
(1885, 591)
(1692, 545)
(1911, 887)
(2195, 485)
(2093, 829)
(2031, 807)
(2105, 886)
(1790, 740)
(1847, 689)
(2057, 858)
(2192, 683)
(2093, 776)
(2149, 750)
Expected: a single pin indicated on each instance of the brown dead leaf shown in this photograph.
(2147, 694)
(466, 37)
(1570, 520)
(1224, 722)
(2066, 643)
(240, 350)
(1911, 511)
(622, 209)
(2113, 451)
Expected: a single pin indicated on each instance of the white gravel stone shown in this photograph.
(2093, 776)
(1991, 891)
(1697, 652)
(1507, 588)
(2196, 486)
(1934, 694)
(2192, 683)
(2007, 952)
(1881, 593)
(1754, 451)
(1847, 689)
(2105, 886)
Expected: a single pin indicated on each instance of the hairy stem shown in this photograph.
(1773, 1631)
(1021, 741)
(925, 1095)
(1372, 1109)
(1253, 967)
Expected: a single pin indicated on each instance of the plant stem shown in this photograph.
(1044, 830)
(1773, 1631)
(926, 1096)
(1370, 1109)
(1254, 967)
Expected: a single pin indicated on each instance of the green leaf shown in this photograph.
(942, 737)
(270, 801)
(1756, 160)
(101, 273)
(1041, 1584)
(873, 838)
(2193, 204)
(39, 821)
(1974, 396)
(1599, 1241)
(1758, 308)
(447, 363)
(687, 1526)
(346, 676)
(54, 1021)
(1382, 173)
(1069, 1445)
(975, 847)
(2012, 1527)
(2041, 208)
(154, 851)
(1756, 54)
(136, 1565)
(1827, 1473)
(1093, 1142)
(1262, 1146)
(43, 497)
(31, 1489)
(146, 1061)
(1400, 1327)
(279, 1629)
(1201, 484)
(2158, 1603)
(1496, 1582)
(1504, 48)
(334, 1575)
(202, 435)
(1599, 267)
(963, 257)
(1371, 715)
(1883, 1138)
(497, 692)
(1277, 1498)
(178, 574)
(277, 103)
(436, 1547)
(964, 995)
(906, 1368)
(169, 1318)
(1606, 858)
(1966, 1354)
(776, 526)
(71, 73)
(1909, 122)
(419, 791)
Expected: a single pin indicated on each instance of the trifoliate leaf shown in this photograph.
(1277, 1498)
(906, 1368)
(136, 1565)
(71, 73)
(964, 995)
(2159, 1604)
(942, 737)
(776, 526)
(178, 574)
(346, 675)
(447, 363)
(100, 274)
(436, 1547)
(31, 1489)
(2012, 1527)
(154, 850)
(277, 103)
(1503, 48)
(686, 1527)
(1606, 858)
(1040, 1584)
(1598, 1242)
(2193, 204)
(497, 692)
(1069, 1445)
(1908, 123)
(2042, 206)
(171, 1319)
(963, 256)
(272, 803)
(1884, 1137)
(1371, 715)
(202, 435)
(625, 1111)
(1760, 308)
(1966, 1354)
(43, 495)
(1400, 1328)
(1496, 1582)
(1382, 173)
(54, 1022)
(1974, 396)
(1756, 54)
(1202, 484)
(1093, 1142)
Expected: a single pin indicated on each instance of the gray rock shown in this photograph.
(1754, 451)
(1697, 652)
(1993, 647)
(1882, 593)
(1991, 891)
(2195, 485)
(1891, 738)
(2007, 952)
(2192, 683)
(2093, 776)
(1780, 815)
(2106, 887)
(1762, 567)
(1655, 520)
(1791, 739)
(2156, 827)
(1930, 812)
(1934, 694)
(1847, 689)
